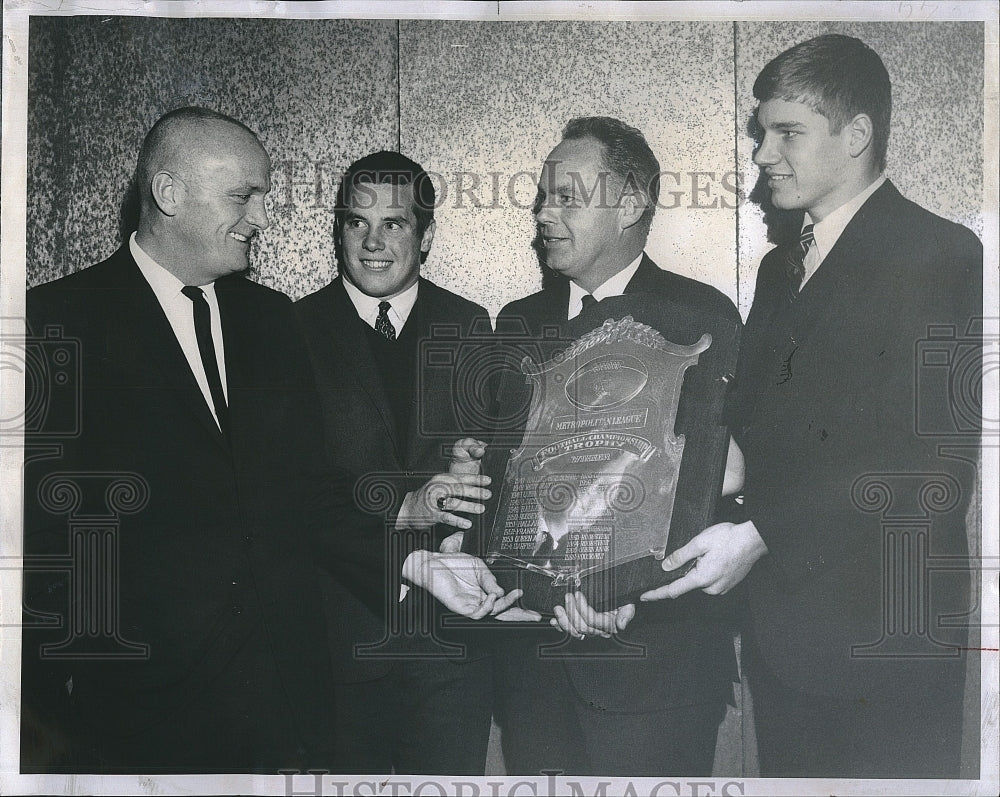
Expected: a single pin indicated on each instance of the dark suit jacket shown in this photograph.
(689, 656)
(839, 431)
(361, 437)
(213, 567)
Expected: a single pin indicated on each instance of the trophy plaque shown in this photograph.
(606, 480)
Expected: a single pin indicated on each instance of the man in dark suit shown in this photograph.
(855, 647)
(406, 699)
(182, 505)
(590, 713)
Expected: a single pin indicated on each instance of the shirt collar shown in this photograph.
(165, 285)
(828, 231)
(367, 306)
(615, 286)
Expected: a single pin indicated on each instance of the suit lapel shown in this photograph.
(429, 382)
(549, 311)
(348, 341)
(154, 342)
(241, 351)
(433, 320)
(844, 271)
(552, 319)
(645, 278)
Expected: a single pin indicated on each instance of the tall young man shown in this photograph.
(855, 648)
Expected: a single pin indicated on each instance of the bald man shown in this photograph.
(178, 513)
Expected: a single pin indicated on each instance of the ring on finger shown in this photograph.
(442, 500)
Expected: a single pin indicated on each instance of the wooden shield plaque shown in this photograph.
(593, 483)
(620, 455)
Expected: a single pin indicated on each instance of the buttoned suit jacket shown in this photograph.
(842, 419)
(361, 436)
(212, 546)
(687, 644)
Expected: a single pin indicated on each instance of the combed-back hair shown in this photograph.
(393, 168)
(625, 153)
(837, 76)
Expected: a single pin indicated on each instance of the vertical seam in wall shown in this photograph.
(736, 160)
(736, 170)
(399, 90)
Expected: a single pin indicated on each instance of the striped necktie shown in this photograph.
(797, 257)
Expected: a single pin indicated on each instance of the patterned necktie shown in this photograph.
(797, 257)
(382, 323)
(206, 347)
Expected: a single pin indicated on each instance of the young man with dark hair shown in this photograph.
(406, 700)
(855, 648)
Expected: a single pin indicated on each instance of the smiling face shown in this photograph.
(220, 188)
(808, 167)
(578, 214)
(380, 241)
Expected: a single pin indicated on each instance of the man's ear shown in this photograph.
(428, 238)
(167, 192)
(631, 209)
(859, 134)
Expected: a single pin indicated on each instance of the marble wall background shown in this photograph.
(494, 97)
(479, 104)
(318, 92)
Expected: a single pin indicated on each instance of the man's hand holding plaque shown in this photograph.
(465, 585)
(578, 619)
(459, 490)
(461, 582)
(723, 555)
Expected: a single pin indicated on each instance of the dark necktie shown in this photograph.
(203, 331)
(587, 301)
(382, 323)
(797, 257)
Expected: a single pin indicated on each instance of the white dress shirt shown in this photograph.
(827, 232)
(612, 287)
(179, 310)
(367, 306)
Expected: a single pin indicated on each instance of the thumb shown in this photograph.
(624, 616)
(488, 582)
(468, 448)
(684, 554)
